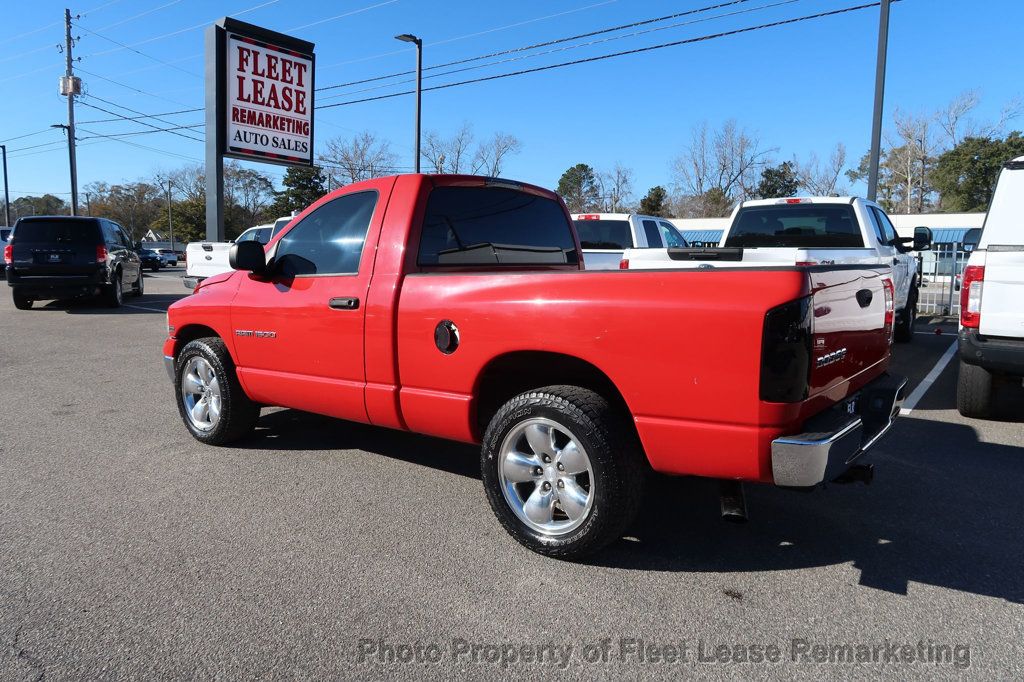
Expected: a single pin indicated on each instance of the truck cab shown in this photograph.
(991, 335)
(604, 236)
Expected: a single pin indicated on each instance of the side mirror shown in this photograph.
(922, 239)
(247, 256)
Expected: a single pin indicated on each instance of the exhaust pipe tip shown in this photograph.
(733, 502)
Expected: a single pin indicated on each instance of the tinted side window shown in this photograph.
(672, 236)
(887, 229)
(652, 234)
(494, 225)
(329, 241)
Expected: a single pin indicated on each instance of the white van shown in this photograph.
(992, 299)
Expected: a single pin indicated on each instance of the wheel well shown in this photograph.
(191, 332)
(509, 375)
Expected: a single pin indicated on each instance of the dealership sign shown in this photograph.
(259, 104)
(269, 105)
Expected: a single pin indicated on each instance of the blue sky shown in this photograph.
(801, 88)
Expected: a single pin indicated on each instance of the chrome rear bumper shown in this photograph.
(834, 439)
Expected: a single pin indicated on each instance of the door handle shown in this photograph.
(344, 303)
(895, 261)
(864, 297)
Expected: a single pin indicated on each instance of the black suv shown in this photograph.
(58, 257)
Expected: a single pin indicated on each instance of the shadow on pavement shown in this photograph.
(90, 306)
(948, 516)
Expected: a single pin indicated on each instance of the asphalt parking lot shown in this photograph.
(322, 549)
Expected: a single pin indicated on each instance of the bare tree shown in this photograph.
(188, 182)
(361, 157)
(490, 156)
(616, 189)
(722, 165)
(956, 124)
(448, 155)
(822, 179)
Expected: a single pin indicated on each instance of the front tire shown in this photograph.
(210, 399)
(139, 287)
(22, 302)
(904, 332)
(974, 391)
(563, 471)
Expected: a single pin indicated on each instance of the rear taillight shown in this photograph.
(970, 296)
(786, 352)
(8, 253)
(624, 264)
(101, 254)
(890, 302)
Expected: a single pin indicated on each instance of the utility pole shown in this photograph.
(876, 125)
(71, 86)
(88, 205)
(170, 223)
(7, 195)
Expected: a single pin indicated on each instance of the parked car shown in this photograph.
(61, 257)
(991, 337)
(150, 259)
(457, 306)
(811, 231)
(4, 234)
(207, 259)
(604, 236)
(168, 257)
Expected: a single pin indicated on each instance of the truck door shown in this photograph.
(903, 264)
(298, 329)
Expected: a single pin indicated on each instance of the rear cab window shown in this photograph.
(56, 231)
(613, 235)
(487, 226)
(652, 233)
(800, 226)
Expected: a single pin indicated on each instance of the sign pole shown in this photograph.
(876, 122)
(214, 134)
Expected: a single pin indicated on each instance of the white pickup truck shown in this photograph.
(206, 259)
(991, 340)
(808, 231)
(604, 236)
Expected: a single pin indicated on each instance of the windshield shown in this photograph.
(604, 234)
(796, 225)
(57, 231)
(4, 234)
(147, 252)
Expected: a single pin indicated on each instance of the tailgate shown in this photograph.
(207, 259)
(850, 333)
(1001, 311)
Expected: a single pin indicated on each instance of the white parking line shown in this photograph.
(142, 307)
(915, 397)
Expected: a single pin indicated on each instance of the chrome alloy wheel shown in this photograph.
(546, 476)
(200, 393)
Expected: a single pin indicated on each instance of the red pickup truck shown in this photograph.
(458, 306)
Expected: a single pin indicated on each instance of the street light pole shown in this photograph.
(7, 195)
(170, 222)
(876, 124)
(409, 38)
(72, 88)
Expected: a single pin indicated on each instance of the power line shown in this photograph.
(51, 25)
(38, 132)
(560, 49)
(136, 118)
(128, 87)
(547, 43)
(341, 16)
(598, 58)
(138, 16)
(140, 146)
(145, 132)
(150, 125)
(138, 52)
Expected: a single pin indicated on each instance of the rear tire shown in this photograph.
(22, 302)
(601, 500)
(904, 332)
(113, 295)
(974, 391)
(229, 414)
